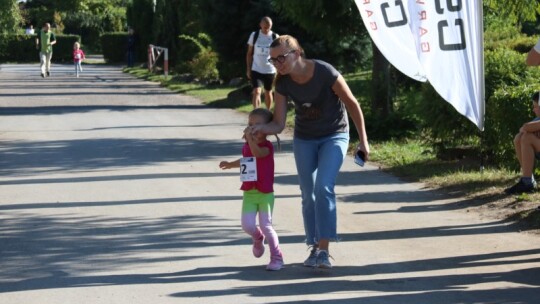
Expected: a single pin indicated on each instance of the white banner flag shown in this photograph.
(446, 40)
(388, 25)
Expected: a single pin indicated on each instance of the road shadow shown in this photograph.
(49, 252)
(20, 158)
(58, 250)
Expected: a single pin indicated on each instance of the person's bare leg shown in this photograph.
(517, 147)
(324, 244)
(268, 98)
(256, 97)
(529, 145)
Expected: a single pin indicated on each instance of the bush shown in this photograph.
(114, 46)
(22, 48)
(506, 111)
(503, 67)
(445, 126)
(204, 64)
(508, 87)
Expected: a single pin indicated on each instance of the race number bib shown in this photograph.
(248, 169)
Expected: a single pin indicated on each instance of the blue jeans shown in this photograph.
(78, 67)
(318, 162)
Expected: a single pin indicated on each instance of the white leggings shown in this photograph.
(45, 61)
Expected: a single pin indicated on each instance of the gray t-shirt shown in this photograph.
(318, 110)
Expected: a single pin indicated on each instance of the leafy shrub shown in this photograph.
(522, 44)
(439, 120)
(503, 67)
(204, 64)
(20, 48)
(508, 87)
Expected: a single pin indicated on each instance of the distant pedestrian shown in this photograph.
(259, 70)
(45, 40)
(78, 57)
(131, 45)
(30, 30)
(257, 175)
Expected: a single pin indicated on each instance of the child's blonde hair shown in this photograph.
(76, 44)
(267, 115)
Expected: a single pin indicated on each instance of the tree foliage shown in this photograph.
(171, 19)
(332, 20)
(10, 16)
(513, 11)
(337, 24)
(87, 18)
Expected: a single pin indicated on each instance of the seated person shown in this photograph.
(527, 145)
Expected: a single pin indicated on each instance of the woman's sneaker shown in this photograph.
(323, 260)
(276, 263)
(258, 247)
(311, 261)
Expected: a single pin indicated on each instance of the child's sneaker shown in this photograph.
(276, 263)
(311, 261)
(258, 247)
(323, 260)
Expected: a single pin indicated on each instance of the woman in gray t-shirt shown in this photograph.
(322, 99)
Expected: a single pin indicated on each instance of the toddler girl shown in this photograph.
(78, 56)
(257, 175)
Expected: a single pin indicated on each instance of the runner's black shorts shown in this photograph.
(264, 80)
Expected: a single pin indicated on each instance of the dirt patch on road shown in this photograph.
(521, 211)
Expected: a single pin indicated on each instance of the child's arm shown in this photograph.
(229, 165)
(257, 151)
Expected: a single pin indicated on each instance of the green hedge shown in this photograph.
(22, 48)
(506, 111)
(114, 46)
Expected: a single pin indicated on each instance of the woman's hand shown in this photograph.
(256, 129)
(248, 133)
(364, 148)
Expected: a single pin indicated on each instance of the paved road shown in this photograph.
(110, 192)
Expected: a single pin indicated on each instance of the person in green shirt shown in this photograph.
(45, 39)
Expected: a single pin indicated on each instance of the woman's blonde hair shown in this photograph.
(292, 44)
(288, 41)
